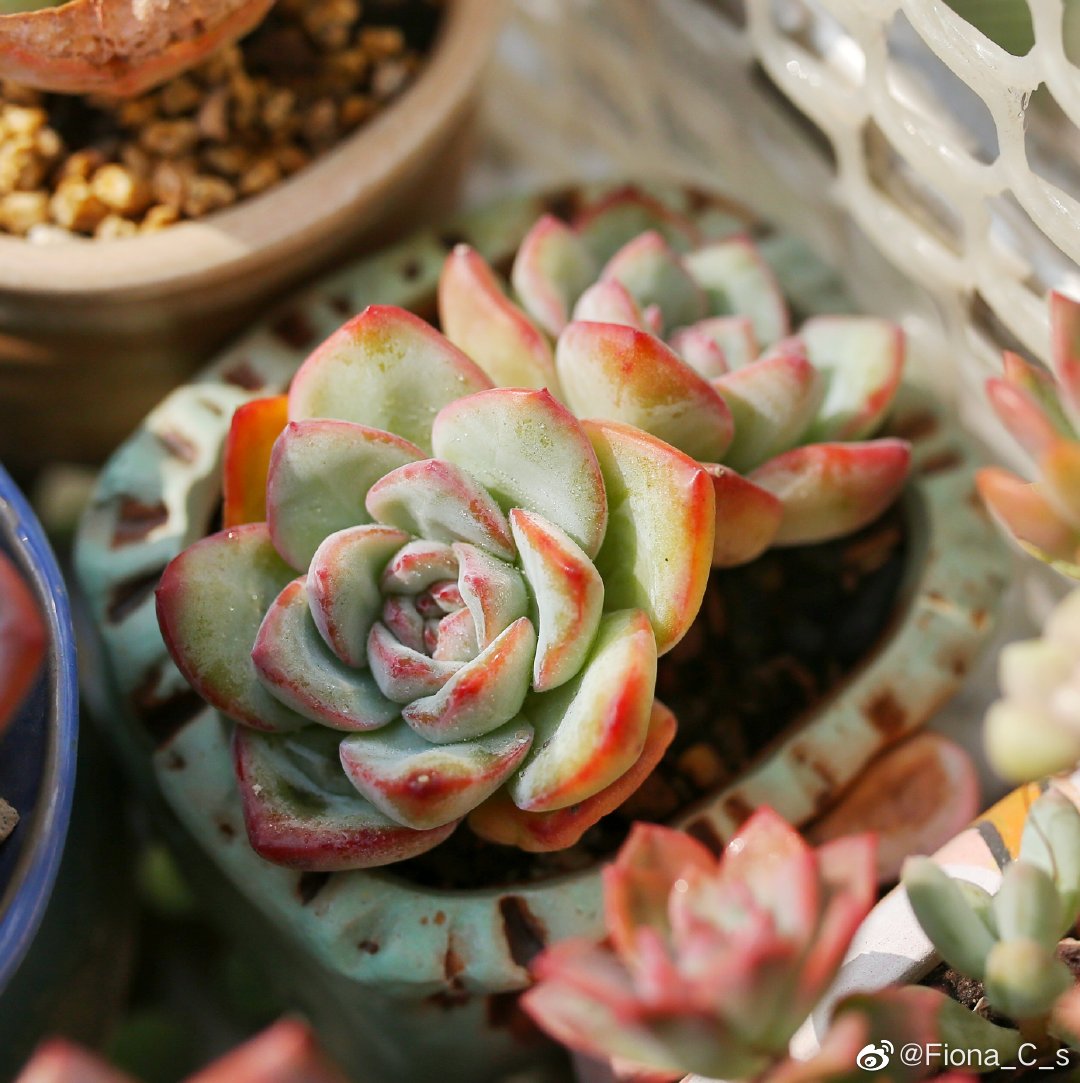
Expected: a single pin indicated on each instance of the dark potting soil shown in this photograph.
(969, 992)
(773, 640)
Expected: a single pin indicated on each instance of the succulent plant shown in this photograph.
(284, 1053)
(712, 964)
(630, 313)
(1041, 410)
(1009, 941)
(115, 47)
(459, 594)
(1034, 729)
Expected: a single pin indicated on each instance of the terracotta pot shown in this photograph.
(413, 983)
(118, 324)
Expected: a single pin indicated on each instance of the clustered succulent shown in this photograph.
(437, 598)
(712, 965)
(1009, 941)
(1041, 410)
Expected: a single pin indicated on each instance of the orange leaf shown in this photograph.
(255, 426)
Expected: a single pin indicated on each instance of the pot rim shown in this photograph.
(23, 904)
(292, 215)
(948, 595)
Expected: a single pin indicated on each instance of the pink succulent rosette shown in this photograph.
(1041, 410)
(632, 313)
(711, 965)
(459, 595)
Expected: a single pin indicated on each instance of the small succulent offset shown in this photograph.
(436, 598)
(1041, 410)
(712, 965)
(1034, 729)
(631, 313)
(1009, 941)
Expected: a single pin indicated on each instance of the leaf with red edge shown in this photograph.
(477, 316)
(732, 335)
(120, 47)
(700, 351)
(254, 428)
(747, 517)
(654, 275)
(738, 282)
(402, 673)
(386, 369)
(772, 402)
(57, 1060)
(592, 729)
(618, 373)
(551, 271)
(493, 590)
(862, 360)
(485, 692)
(609, 301)
(829, 490)
(301, 811)
(638, 885)
(1065, 348)
(417, 565)
(439, 501)
(568, 593)
(23, 639)
(1059, 471)
(211, 601)
(422, 785)
(1040, 384)
(296, 666)
(499, 820)
(343, 586)
(606, 225)
(1022, 414)
(661, 529)
(1025, 513)
(529, 452)
(320, 473)
(286, 1052)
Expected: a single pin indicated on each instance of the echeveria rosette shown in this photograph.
(1041, 410)
(457, 598)
(628, 314)
(711, 965)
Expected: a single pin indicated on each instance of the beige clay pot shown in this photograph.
(92, 334)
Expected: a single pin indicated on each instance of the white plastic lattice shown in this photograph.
(912, 135)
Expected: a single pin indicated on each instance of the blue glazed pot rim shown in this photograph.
(27, 896)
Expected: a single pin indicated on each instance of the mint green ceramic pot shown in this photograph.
(411, 983)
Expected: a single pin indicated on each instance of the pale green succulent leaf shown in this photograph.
(1051, 841)
(1023, 978)
(1026, 906)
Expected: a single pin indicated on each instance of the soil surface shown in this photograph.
(773, 640)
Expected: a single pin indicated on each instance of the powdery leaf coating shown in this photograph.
(654, 274)
(590, 730)
(738, 282)
(211, 601)
(661, 529)
(551, 271)
(423, 785)
(492, 589)
(499, 820)
(296, 666)
(829, 490)
(319, 475)
(617, 372)
(478, 317)
(439, 501)
(483, 694)
(386, 369)
(415, 566)
(403, 673)
(622, 215)
(343, 586)
(301, 811)
(255, 427)
(733, 336)
(772, 402)
(861, 360)
(609, 301)
(747, 517)
(529, 452)
(568, 593)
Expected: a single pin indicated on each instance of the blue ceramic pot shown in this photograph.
(38, 752)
